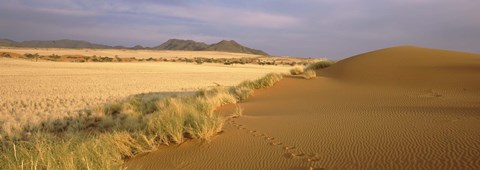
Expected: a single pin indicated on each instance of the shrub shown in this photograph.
(245, 89)
(309, 74)
(319, 65)
(296, 71)
(6, 55)
(242, 92)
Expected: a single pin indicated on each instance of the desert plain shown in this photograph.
(395, 108)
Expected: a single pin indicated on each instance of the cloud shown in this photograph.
(222, 15)
(309, 28)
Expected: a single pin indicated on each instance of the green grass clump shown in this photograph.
(103, 138)
(319, 65)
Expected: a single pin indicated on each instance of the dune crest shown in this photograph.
(410, 66)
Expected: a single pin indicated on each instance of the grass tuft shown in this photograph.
(309, 74)
(238, 112)
(296, 71)
(319, 65)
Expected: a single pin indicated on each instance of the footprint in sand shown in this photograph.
(270, 138)
(313, 159)
(275, 143)
(289, 147)
(430, 93)
(295, 155)
(312, 168)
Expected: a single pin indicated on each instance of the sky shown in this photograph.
(332, 29)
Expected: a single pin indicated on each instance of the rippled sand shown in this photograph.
(398, 108)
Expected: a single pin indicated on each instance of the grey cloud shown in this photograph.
(309, 28)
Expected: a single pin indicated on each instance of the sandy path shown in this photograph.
(337, 123)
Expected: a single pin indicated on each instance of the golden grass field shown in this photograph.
(36, 91)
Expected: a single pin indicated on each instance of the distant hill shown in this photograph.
(7, 43)
(186, 45)
(172, 44)
(232, 46)
(224, 45)
(64, 43)
(138, 47)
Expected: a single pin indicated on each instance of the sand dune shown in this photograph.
(397, 108)
(410, 66)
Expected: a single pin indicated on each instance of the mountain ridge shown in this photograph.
(171, 44)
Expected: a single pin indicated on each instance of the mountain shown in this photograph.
(7, 43)
(138, 47)
(224, 45)
(172, 44)
(187, 45)
(64, 43)
(232, 46)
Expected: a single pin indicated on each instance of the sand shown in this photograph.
(397, 108)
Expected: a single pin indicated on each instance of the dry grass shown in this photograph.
(238, 112)
(309, 74)
(320, 65)
(125, 53)
(38, 91)
(245, 89)
(104, 137)
(296, 71)
(119, 131)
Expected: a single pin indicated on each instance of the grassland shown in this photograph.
(124, 55)
(36, 91)
(105, 137)
(96, 115)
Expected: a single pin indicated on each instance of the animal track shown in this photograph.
(430, 93)
(292, 153)
(314, 159)
(276, 143)
(295, 155)
(270, 138)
